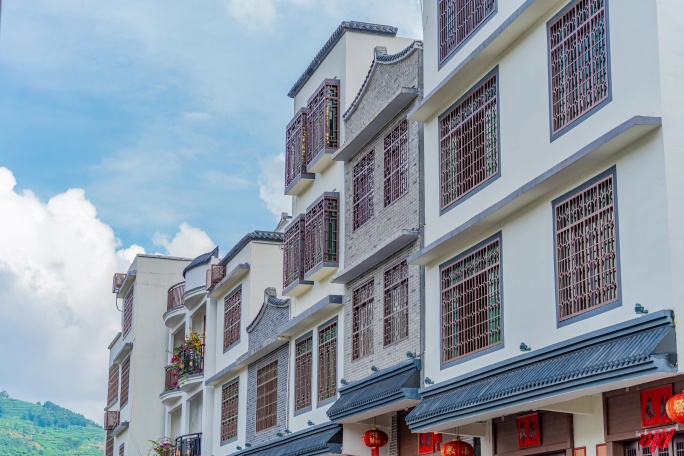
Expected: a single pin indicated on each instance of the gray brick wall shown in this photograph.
(266, 323)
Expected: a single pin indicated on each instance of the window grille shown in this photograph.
(113, 386)
(321, 233)
(121, 449)
(471, 302)
(469, 149)
(458, 19)
(363, 189)
(215, 273)
(396, 163)
(229, 410)
(267, 396)
(396, 325)
(293, 246)
(586, 249)
(303, 350)
(578, 46)
(231, 318)
(295, 147)
(125, 374)
(362, 320)
(327, 362)
(109, 444)
(128, 312)
(323, 120)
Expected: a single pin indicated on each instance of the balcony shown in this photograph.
(175, 312)
(215, 274)
(171, 390)
(189, 445)
(190, 367)
(117, 282)
(323, 126)
(193, 297)
(296, 176)
(293, 266)
(321, 242)
(111, 420)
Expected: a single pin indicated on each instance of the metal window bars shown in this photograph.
(458, 19)
(189, 445)
(363, 189)
(267, 396)
(396, 162)
(229, 410)
(190, 361)
(327, 362)
(109, 444)
(128, 312)
(396, 322)
(323, 120)
(170, 378)
(295, 147)
(303, 352)
(232, 309)
(113, 384)
(125, 381)
(362, 320)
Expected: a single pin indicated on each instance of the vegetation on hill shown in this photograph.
(28, 429)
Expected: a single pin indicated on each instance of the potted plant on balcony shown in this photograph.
(188, 356)
(163, 447)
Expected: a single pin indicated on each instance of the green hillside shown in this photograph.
(47, 429)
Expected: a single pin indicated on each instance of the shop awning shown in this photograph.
(317, 440)
(388, 390)
(642, 346)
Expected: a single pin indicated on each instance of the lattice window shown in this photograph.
(125, 380)
(267, 396)
(229, 410)
(303, 350)
(327, 362)
(215, 273)
(586, 249)
(396, 324)
(458, 19)
(362, 320)
(363, 189)
(128, 312)
(469, 146)
(232, 309)
(293, 246)
(396, 163)
(321, 233)
(122, 449)
(295, 147)
(113, 384)
(323, 120)
(471, 302)
(109, 444)
(578, 46)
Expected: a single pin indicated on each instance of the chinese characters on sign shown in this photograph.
(429, 442)
(653, 406)
(529, 432)
(656, 439)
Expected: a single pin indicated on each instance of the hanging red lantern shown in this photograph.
(675, 408)
(375, 439)
(457, 448)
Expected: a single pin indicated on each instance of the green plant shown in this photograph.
(162, 445)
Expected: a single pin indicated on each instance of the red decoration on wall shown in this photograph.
(656, 439)
(375, 439)
(429, 442)
(457, 448)
(529, 431)
(675, 408)
(654, 406)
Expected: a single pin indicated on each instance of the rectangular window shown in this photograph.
(396, 325)
(321, 233)
(121, 449)
(471, 302)
(458, 19)
(362, 320)
(267, 396)
(295, 147)
(303, 350)
(128, 312)
(232, 308)
(578, 56)
(229, 411)
(396, 163)
(293, 246)
(586, 248)
(109, 444)
(468, 143)
(113, 385)
(327, 361)
(125, 378)
(363, 189)
(323, 120)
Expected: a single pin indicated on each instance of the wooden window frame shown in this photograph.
(127, 313)
(267, 397)
(232, 318)
(396, 304)
(303, 372)
(363, 190)
(363, 297)
(230, 395)
(125, 381)
(454, 29)
(396, 145)
(327, 361)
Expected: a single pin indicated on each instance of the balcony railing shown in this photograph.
(111, 420)
(117, 282)
(189, 445)
(171, 378)
(175, 296)
(215, 274)
(321, 233)
(191, 361)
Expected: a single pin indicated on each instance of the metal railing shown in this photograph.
(175, 296)
(189, 445)
(191, 361)
(171, 378)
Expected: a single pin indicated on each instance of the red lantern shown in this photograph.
(457, 448)
(375, 439)
(675, 408)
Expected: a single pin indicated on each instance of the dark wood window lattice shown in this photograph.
(267, 396)
(113, 384)
(128, 312)
(364, 189)
(295, 147)
(327, 362)
(458, 19)
(396, 325)
(578, 46)
(323, 120)
(109, 444)
(122, 450)
(293, 245)
(362, 320)
(321, 233)
(215, 273)
(125, 380)
(396, 163)
(232, 308)
(229, 411)
(586, 249)
(469, 148)
(303, 351)
(471, 302)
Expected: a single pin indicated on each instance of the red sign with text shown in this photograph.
(529, 432)
(653, 403)
(429, 442)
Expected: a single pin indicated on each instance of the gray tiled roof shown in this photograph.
(322, 439)
(363, 27)
(205, 257)
(271, 236)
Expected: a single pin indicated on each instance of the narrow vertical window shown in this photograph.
(321, 233)
(113, 384)
(363, 189)
(295, 147)
(232, 308)
(109, 444)
(267, 396)
(293, 251)
(362, 320)
(303, 350)
(327, 362)
(471, 302)
(458, 19)
(229, 410)
(121, 449)
(128, 312)
(323, 120)
(125, 380)
(396, 325)
(396, 163)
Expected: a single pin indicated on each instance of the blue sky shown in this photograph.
(149, 125)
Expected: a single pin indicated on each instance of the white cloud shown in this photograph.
(254, 14)
(188, 242)
(271, 185)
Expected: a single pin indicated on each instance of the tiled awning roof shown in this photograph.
(204, 258)
(321, 439)
(378, 390)
(642, 346)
